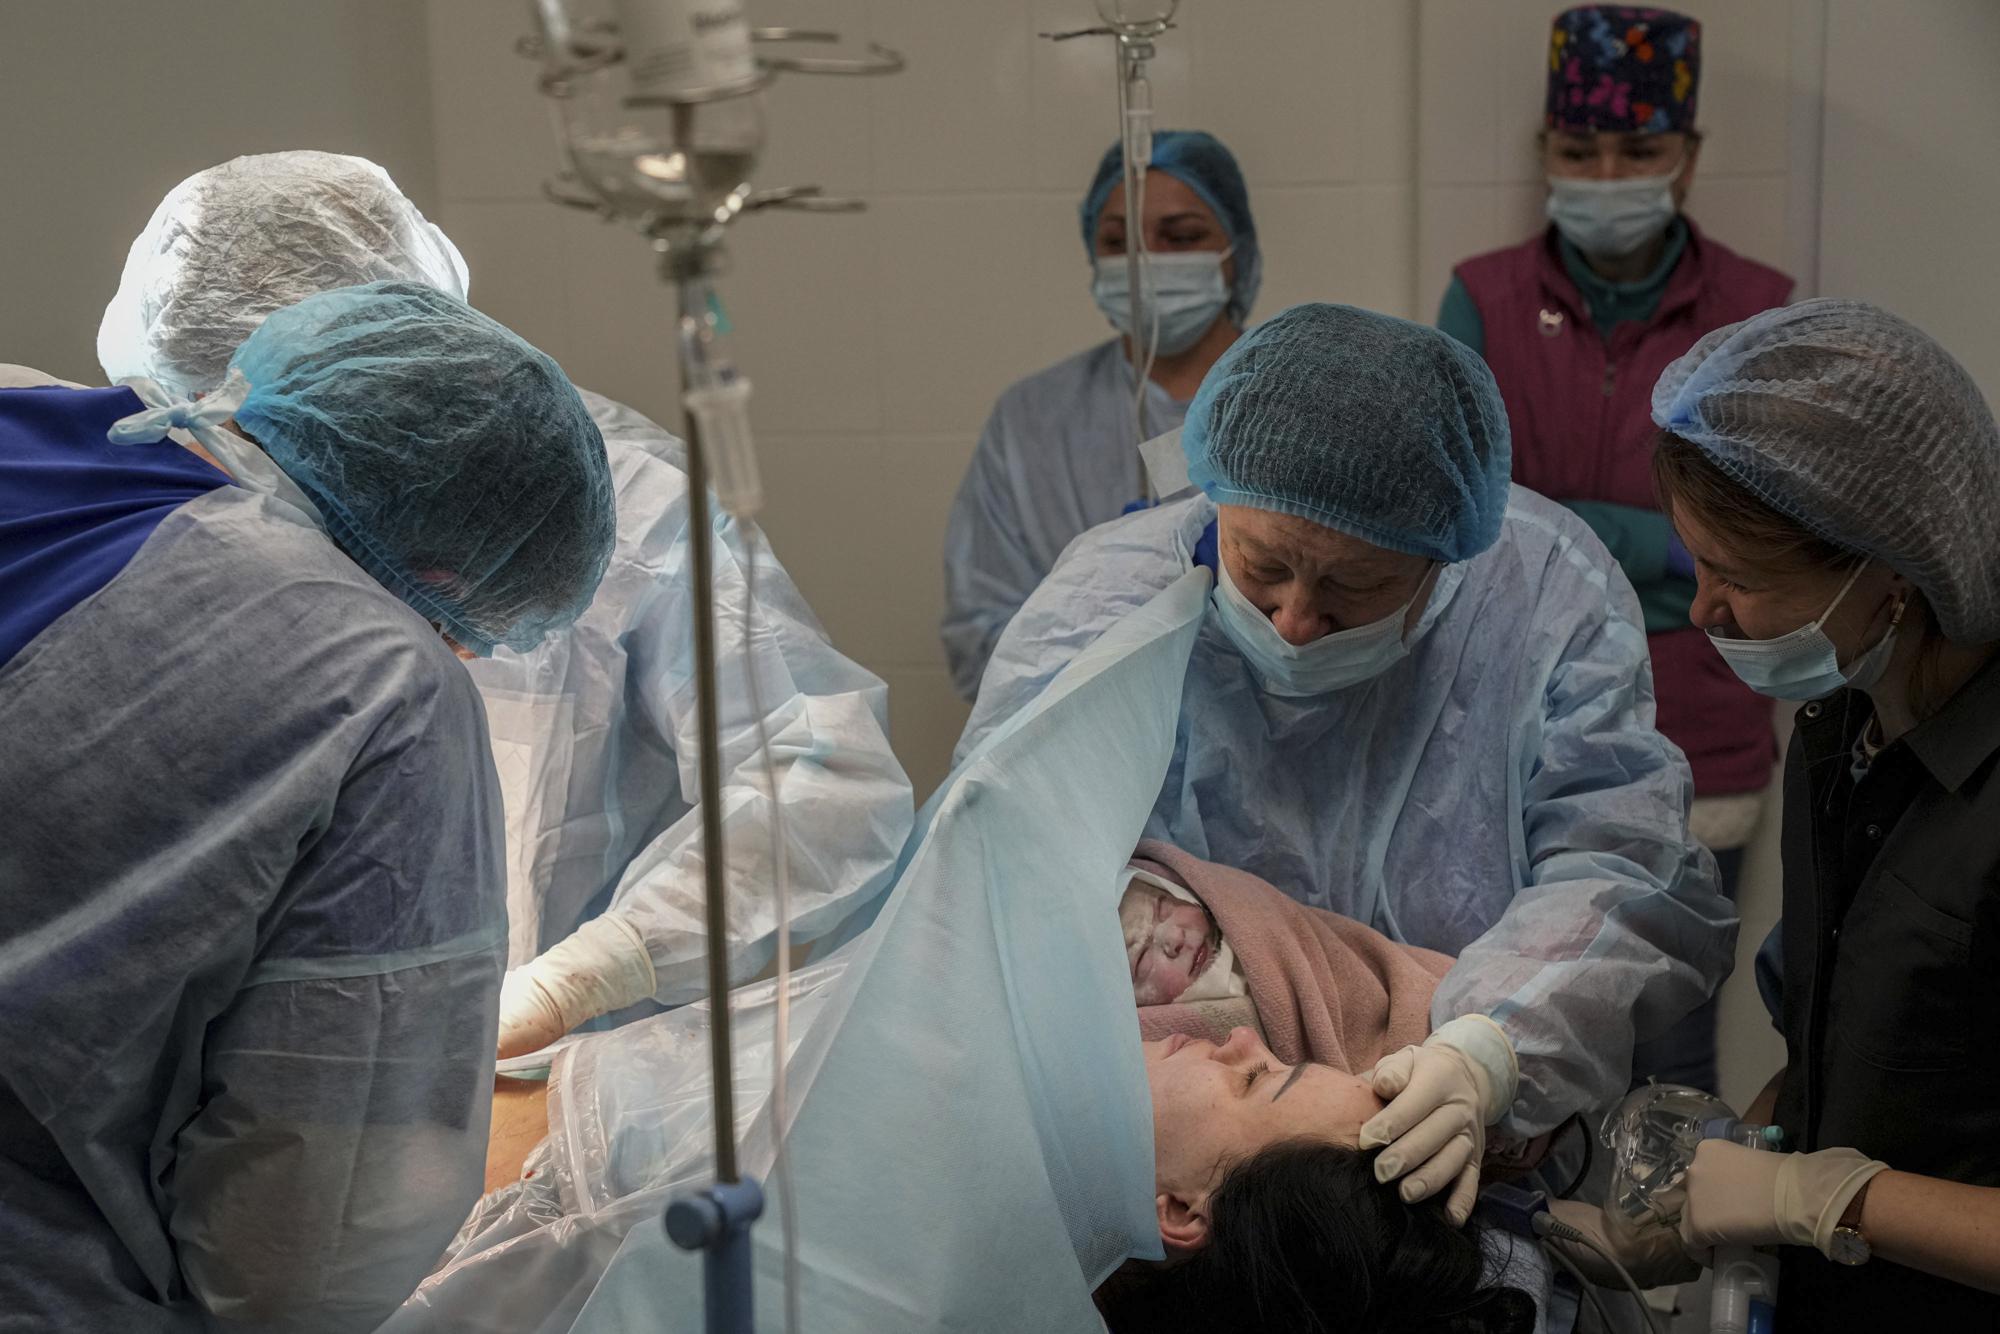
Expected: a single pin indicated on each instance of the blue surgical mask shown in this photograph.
(1804, 664)
(1187, 296)
(1331, 662)
(1611, 219)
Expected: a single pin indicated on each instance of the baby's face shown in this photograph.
(1168, 943)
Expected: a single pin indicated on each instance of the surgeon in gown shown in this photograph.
(1060, 452)
(1420, 698)
(250, 850)
(594, 729)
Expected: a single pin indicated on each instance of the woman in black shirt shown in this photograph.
(1836, 475)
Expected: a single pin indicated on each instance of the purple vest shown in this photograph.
(1581, 413)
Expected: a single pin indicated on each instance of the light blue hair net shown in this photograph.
(1390, 431)
(1859, 426)
(1200, 162)
(451, 460)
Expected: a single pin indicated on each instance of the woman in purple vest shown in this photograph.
(1577, 323)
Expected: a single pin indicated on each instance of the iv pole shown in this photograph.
(657, 187)
(1133, 48)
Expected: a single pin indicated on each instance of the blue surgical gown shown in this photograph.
(1499, 794)
(251, 955)
(594, 738)
(1058, 456)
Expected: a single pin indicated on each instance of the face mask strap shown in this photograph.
(1845, 589)
(1420, 601)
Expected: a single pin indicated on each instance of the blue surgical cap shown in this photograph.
(1386, 430)
(451, 460)
(1861, 427)
(1200, 162)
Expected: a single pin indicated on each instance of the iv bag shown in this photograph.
(688, 163)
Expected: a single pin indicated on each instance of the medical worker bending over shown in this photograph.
(1421, 699)
(593, 729)
(254, 928)
(1060, 453)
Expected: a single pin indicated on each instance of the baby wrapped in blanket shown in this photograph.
(1212, 947)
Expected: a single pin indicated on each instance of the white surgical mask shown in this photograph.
(1331, 662)
(1805, 664)
(1611, 219)
(1186, 290)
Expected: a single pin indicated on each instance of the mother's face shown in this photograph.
(1215, 1105)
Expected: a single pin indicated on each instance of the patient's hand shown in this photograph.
(1168, 943)
(520, 1122)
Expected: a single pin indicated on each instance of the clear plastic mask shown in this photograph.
(1653, 1135)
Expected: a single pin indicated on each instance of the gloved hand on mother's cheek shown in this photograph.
(1442, 1096)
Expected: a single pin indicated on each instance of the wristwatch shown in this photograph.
(1847, 1246)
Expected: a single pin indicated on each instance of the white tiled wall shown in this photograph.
(1924, 244)
(105, 106)
(1383, 141)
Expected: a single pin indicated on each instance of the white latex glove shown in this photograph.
(1442, 1096)
(602, 966)
(1650, 1250)
(1738, 1196)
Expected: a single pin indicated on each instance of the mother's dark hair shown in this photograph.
(1304, 1240)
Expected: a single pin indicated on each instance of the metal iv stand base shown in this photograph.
(715, 1220)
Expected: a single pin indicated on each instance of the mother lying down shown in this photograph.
(1265, 1199)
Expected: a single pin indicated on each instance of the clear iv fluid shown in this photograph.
(639, 174)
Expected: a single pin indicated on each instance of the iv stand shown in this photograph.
(1136, 148)
(1133, 49)
(715, 1219)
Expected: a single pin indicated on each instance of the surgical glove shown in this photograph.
(602, 966)
(1442, 1096)
(1651, 1251)
(1738, 1196)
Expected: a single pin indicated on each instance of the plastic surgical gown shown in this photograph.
(1058, 456)
(250, 965)
(972, 1144)
(1499, 794)
(594, 738)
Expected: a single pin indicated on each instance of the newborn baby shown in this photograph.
(1174, 947)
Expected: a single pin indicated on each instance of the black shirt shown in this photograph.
(1891, 937)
